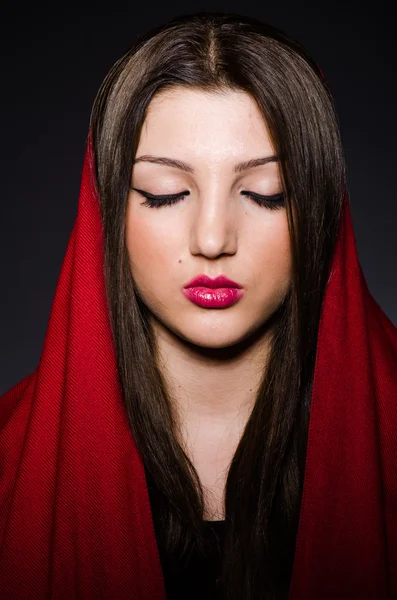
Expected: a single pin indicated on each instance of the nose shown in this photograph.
(214, 226)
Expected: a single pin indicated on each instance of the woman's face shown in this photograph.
(215, 229)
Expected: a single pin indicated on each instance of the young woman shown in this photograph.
(214, 413)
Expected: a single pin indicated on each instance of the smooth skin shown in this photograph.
(212, 359)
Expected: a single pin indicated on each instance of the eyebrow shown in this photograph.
(178, 164)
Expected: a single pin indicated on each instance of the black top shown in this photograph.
(198, 579)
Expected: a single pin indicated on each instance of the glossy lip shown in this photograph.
(219, 282)
(213, 298)
(213, 293)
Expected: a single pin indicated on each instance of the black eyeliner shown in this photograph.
(273, 202)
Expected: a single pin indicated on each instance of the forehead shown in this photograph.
(225, 124)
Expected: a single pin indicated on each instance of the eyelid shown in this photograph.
(160, 196)
(185, 193)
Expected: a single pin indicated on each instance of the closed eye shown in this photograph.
(273, 202)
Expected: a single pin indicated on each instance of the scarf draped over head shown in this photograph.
(75, 517)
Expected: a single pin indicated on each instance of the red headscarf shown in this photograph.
(75, 517)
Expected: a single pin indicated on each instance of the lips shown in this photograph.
(219, 282)
(220, 292)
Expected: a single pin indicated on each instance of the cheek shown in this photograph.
(152, 248)
(273, 257)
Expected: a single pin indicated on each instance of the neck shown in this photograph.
(212, 385)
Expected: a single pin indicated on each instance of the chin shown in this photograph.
(208, 336)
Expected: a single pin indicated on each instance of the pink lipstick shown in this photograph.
(213, 293)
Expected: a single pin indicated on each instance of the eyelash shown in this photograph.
(274, 202)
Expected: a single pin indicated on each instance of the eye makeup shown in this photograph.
(273, 202)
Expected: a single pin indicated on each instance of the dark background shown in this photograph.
(53, 61)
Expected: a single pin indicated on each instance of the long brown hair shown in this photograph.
(215, 52)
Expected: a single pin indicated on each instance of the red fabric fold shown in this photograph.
(75, 518)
